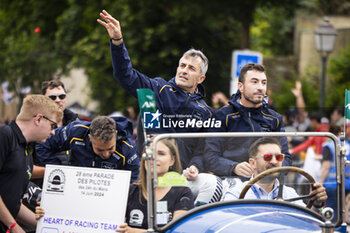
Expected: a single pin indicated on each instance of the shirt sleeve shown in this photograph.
(185, 200)
(327, 154)
(133, 164)
(126, 75)
(46, 152)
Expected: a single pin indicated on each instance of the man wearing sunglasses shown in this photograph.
(35, 123)
(56, 91)
(265, 153)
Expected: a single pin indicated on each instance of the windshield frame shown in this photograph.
(153, 183)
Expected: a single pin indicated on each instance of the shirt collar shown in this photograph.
(274, 190)
(18, 132)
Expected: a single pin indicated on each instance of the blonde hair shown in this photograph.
(174, 152)
(38, 104)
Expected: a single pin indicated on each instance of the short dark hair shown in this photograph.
(340, 110)
(253, 150)
(103, 128)
(315, 116)
(335, 129)
(247, 67)
(50, 85)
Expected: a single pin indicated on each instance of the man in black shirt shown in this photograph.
(35, 123)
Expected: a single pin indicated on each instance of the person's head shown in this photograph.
(252, 84)
(315, 120)
(40, 116)
(103, 135)
(191, 71)
(335, 129)
(265, 153)
(55, 90)
(167, 159)
(336, 115)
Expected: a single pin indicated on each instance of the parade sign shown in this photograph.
(78, 199)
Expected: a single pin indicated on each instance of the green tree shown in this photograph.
(29, 57)
(156, 34)
(338, 75)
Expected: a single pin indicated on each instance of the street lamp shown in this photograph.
(325, 37)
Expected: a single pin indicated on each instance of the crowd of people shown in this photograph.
(46, 132)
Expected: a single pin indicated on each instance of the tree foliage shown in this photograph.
(156, 34)
(338, 74)
(27, 58)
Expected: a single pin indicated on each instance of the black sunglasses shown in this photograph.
(53, 124)
(54, 97)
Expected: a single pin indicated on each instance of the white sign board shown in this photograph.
(239, 59)
(78, 199)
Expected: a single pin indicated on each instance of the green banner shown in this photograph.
(147, 100)
(347, 104)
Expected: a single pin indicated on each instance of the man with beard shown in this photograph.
(265, 153)
(247, 112)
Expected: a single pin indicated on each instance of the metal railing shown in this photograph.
(152, 180)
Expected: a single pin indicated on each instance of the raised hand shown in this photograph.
(112, 26)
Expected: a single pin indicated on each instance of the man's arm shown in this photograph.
(26, 216)
(191, 153)
(38, 172)
(7, 219)
(5, 215)
(298, 93)
(213, 152)
(319, 196)
(324, 170)
(303, 146)
(45, 152)
(112, 26)
(214, 161)
(129, 78)
(326, 163)
(132, 163)
(221, 166)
